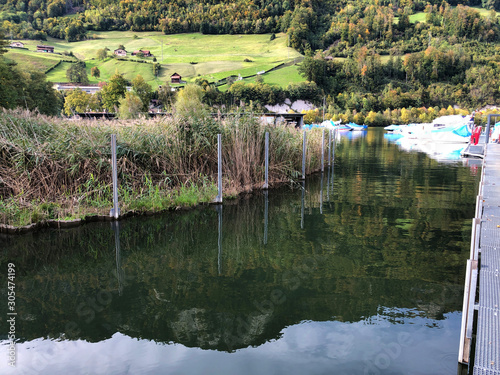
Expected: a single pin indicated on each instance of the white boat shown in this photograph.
(453, 129)
(452, 134)
(417, 131)
(356, 127)
(335, 125)
(445, 129)
(394, 128)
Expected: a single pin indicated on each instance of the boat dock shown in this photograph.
(479, 351)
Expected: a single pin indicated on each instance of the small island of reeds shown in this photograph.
(60, 169)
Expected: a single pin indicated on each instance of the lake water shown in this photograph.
(361, 272)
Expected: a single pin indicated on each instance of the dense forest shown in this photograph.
(310, 24)
(359, 56)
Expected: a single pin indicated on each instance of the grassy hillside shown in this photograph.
(191, 55)
(37, 60)
(280, 77)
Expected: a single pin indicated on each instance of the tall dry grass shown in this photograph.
(44, 159)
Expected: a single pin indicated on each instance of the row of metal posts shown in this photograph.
(115, 211)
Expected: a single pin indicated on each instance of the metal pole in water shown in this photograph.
(119, 273)
(304, 156)
(115, 211)
(266, 214)
(329, 146)
(219, 242)
(323, 151)
(302, 205)
(333, 176)
(328, 186)
(219, 168)
(266, 183)
(321, 195)
(333, 144)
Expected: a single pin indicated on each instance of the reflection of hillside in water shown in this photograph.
(389, 239)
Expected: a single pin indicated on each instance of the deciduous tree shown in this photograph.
(77, 73)
(102, 53)
(166, 95)
(78, 101)
(95, 72)
(143, 90)
(113, 91)
(130, 106)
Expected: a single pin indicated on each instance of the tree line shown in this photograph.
(358, 56)
(310, 24)
(26, 89)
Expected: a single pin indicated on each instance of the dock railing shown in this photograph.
(471, 278)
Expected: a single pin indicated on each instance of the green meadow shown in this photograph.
(212, 57)
(280, 77)
(420, 16)
(485, 12)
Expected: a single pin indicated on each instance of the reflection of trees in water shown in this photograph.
(381, 241)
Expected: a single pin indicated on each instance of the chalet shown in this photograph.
(17, 45)
(42, 48)
(145, 52)
(175, 78)
(120, 52)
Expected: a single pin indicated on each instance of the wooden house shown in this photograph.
(175, 78)
(120, 52)
(42, 48)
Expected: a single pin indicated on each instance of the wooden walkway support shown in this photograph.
(481, 306)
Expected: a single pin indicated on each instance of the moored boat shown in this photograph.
(356, 127)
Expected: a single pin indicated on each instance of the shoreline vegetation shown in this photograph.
(55, 171)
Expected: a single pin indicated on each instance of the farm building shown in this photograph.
(120, 52)
(175, 78)
(145, 52)
(17, 45)
(89, 89)
(42, 48)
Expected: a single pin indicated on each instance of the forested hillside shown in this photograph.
(310, 23)
(362, 55)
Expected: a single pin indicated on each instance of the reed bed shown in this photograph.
(59, 168)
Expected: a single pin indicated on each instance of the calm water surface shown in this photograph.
(361, 272)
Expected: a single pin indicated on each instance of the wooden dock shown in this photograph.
(479, 351)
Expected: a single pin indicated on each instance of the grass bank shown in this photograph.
(53, 168)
